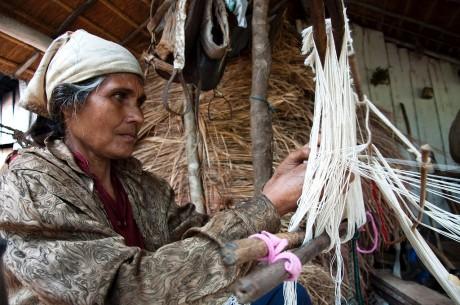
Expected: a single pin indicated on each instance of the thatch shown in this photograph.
(224, 126)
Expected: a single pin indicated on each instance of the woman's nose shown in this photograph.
(135, 115)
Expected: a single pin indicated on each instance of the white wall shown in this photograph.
(12, 116)
(429, 119)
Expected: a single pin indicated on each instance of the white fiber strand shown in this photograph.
(328, 196)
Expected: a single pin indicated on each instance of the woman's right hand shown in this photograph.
(285, 186)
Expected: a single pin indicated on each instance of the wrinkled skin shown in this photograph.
(106, 125)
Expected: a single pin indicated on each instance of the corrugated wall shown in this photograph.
(428, 119)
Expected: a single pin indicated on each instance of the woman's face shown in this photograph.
(107, 123)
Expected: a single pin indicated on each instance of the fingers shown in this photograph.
(300, 155)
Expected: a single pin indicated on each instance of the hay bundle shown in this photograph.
(224, 126)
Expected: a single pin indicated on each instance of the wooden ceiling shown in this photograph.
(122, 21)
(425, 24)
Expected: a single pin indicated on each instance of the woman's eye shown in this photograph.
(120, 96)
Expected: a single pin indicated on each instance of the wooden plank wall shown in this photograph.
(428, 120)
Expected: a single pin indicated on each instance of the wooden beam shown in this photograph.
(16, 41)
(120, 14)
(135, 32)
(398, 292)
(24, 33)
(72, 17)
(13, 65)
(24, 67)
(14, 12)
(67, 22)
(87, 21)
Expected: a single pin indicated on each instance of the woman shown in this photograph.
(85, 224)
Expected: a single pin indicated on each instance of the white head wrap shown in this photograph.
(74, 57)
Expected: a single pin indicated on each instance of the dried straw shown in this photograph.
(224, 126)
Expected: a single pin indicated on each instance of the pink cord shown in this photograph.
(275, 247)
(376, 236)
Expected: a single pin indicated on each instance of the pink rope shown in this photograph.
(376, 236)
(275, 246)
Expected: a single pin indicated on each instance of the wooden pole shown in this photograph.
(193, 160)
(426, 150)
(250, 249)
(264, 279)
(319, 27)
(24, 33)
(261, 117)
(335, 9)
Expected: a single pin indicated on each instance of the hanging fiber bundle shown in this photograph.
(330, 195)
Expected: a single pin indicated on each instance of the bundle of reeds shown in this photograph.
(224, 126)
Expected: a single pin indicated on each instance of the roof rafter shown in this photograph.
(67, 22)
(120, 14)
(87, 21)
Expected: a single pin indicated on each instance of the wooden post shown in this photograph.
(261, 117)
(193, 160)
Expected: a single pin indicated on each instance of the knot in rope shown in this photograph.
(275, 246)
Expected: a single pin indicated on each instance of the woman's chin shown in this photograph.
(123, 153)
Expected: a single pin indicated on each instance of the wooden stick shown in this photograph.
(250, 249)
(264, 279)
(335, 9)
(355, 75)
(261, 117)
(193, 160)
(160, 12)
(426, 149)
(319, 27)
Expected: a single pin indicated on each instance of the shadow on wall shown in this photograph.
(454, 139)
